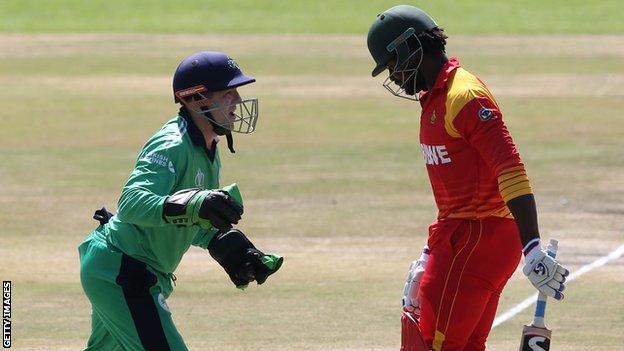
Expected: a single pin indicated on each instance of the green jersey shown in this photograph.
(175, 158)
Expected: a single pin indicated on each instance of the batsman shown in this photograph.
(171, 201)
(487, 215)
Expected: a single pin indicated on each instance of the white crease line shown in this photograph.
(614, 255)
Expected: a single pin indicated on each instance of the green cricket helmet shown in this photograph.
(388, 34)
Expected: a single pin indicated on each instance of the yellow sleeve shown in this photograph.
(514, 182)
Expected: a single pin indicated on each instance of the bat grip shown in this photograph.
(553, 246)
(540, 306)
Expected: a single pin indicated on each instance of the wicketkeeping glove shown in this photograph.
(544, 272)
(411, 302)
(241, 260)
(218, 208)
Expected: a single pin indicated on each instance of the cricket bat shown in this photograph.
(536, 337)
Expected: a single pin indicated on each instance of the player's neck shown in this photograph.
(432, 67)
(206, 129)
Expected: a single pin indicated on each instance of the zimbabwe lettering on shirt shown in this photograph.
(435, 154)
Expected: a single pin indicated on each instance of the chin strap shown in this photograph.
(219, 130)
(230, 142)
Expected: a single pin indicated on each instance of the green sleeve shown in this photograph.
(202, 239)
(152, 180)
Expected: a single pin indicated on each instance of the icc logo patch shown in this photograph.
(485, 114)
(199, 178)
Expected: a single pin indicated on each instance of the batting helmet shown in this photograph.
(206, 72)
(214, 71)
(391, 29)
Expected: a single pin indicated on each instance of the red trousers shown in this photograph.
(469, 264)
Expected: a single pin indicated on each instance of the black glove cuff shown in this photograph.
(175, 204)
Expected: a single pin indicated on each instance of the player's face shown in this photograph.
(224, 103)
(225, 109)
(406, 81)
(396, 77)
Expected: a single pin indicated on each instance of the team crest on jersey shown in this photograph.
(433, 117)
(485, 114)
(199, 178)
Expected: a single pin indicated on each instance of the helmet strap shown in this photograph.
(230, 142)
(220, 130)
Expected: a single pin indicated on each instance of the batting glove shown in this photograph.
(411, 302)
(544, 272)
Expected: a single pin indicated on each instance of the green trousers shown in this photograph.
(129, 311)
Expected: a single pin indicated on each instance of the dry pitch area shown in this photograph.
(332, 179)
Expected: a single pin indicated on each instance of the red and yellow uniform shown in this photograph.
(474, 169)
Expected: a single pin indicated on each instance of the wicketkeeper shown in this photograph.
(171, 201)
(487, 214)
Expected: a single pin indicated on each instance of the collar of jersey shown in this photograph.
(197, 137)
(445, 73)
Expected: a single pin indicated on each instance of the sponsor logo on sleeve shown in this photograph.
(161, 160)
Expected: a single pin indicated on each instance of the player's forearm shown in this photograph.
(524, 211)
(515, 189)
(141, 207)
(202, 239)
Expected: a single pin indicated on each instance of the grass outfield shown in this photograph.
(295, 16)
(333, 179)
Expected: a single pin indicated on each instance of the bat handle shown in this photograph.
(540, 306)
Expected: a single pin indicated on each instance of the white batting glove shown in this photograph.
(411, 303)
(544, 272)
